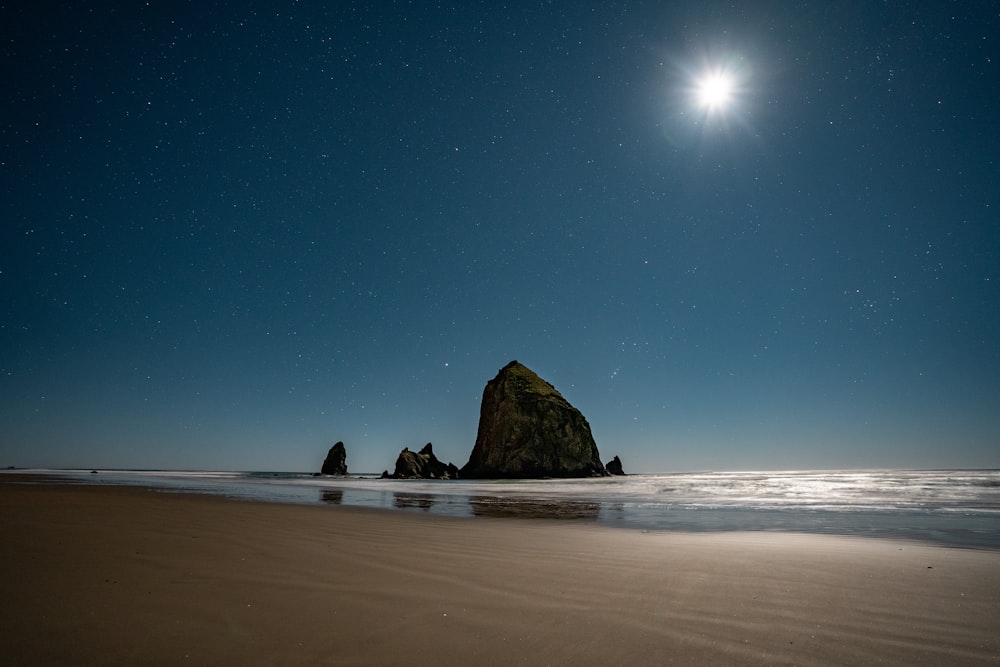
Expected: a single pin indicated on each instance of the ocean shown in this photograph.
(949, 507)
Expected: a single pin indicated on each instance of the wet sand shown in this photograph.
(111, 575)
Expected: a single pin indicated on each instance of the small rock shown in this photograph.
(614, 467)
(336, 461)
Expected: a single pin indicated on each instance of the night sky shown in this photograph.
(237, 232)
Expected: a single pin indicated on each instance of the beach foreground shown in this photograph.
(101, 575)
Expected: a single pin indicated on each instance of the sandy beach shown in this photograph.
(110, 575)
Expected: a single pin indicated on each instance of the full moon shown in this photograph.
(714, 91)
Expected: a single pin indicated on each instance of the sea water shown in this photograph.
(953, 507)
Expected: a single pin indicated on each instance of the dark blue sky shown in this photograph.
(235, 233)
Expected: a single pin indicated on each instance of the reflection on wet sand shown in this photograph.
(332, 496)
(413, 501)
(487, 506)
(530, 508)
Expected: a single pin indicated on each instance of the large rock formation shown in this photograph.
(422, 465)
(614, 467)
(336, 461)
(527, 429)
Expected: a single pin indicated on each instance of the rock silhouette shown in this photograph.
(614, 467)
(422, 465)
(528, 430)
(336, 461)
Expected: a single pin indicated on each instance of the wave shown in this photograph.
(950, 506)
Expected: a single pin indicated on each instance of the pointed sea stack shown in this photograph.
(614, 467)
(528, 430)
(336, 461)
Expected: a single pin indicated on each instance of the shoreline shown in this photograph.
(118, 575)
(636, 504)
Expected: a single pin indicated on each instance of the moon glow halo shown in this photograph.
(714, 91)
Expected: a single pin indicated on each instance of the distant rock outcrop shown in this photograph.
(336, 461)
(528, 430)
(614, 467)
(422, 465)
